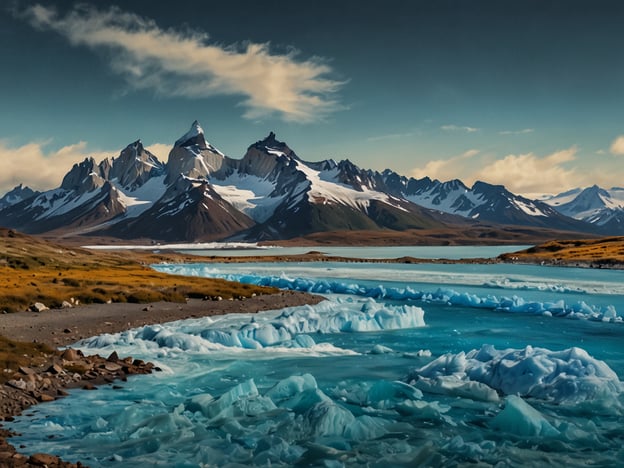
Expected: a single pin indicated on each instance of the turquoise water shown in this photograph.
(402, 365)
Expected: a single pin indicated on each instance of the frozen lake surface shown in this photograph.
(402, 365)
(450, 252)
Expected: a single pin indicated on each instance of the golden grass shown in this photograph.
(33, 270)
(608, 251)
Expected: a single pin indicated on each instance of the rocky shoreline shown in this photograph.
(70, 368)
(64, 370)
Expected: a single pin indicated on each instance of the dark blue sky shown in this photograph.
(526, 93)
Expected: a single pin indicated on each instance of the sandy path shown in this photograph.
(66, 326)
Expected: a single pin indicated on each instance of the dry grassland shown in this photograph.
(32, 270)
(606, 252)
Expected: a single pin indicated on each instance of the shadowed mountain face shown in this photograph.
(17, 194)
(201, 194)
(603, 208)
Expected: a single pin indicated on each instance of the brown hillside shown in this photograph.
(605, 252)
(33, 270)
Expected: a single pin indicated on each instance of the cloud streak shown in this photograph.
(524, 131)
(174, 63)
(458, 128)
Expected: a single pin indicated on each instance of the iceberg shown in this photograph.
(570, 376)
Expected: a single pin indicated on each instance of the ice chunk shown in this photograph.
(381, 349)
(329, 419)
(291, 386)
(520, 418)
(366, 428)
(385, 394)
(452, 385)
(243, 398)
(568, 376)
(199, 403)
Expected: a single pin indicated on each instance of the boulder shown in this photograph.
(70, 354)
(38, 307)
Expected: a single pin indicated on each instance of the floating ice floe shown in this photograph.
(290, 329)
(570, 376)
(448, 296)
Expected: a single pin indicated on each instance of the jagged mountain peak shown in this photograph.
(270, 193)
(83, 177)
(194, 137)
(17, 194)
(271, 145)
(133, 167)
(193, 156)
(594, 205)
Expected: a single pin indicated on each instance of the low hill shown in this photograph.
(34, 270)
(606, 252)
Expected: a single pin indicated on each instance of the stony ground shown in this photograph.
(64, 370)
(32, 384)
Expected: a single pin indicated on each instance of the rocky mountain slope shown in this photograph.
(270, 193)
(603, 208)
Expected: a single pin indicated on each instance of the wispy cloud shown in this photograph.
(524, 131)
(182, 63)
(445, 169)
(458, 128)
(38, 168)
(390, 136)
(617, 147)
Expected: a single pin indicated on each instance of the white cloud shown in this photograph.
(617, 147)
(445, 169)
(31, 165)
(456, 128)
(175, 63)
(524, 131)
(530, 174)
(160, 150)
(390, 136)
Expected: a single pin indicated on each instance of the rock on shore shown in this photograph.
(66, 369)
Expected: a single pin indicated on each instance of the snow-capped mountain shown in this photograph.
(287, 196)
(483, 202)
(270, 193)
(17, 194)
(185, 206)
(92, 194)
(595, 205)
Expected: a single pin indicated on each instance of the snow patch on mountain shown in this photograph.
(143, 198)
(449, 197)
(528, 207)
(325, 188)
(59, 201)
(250, 194)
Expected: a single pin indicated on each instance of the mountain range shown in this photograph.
(201, 194)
